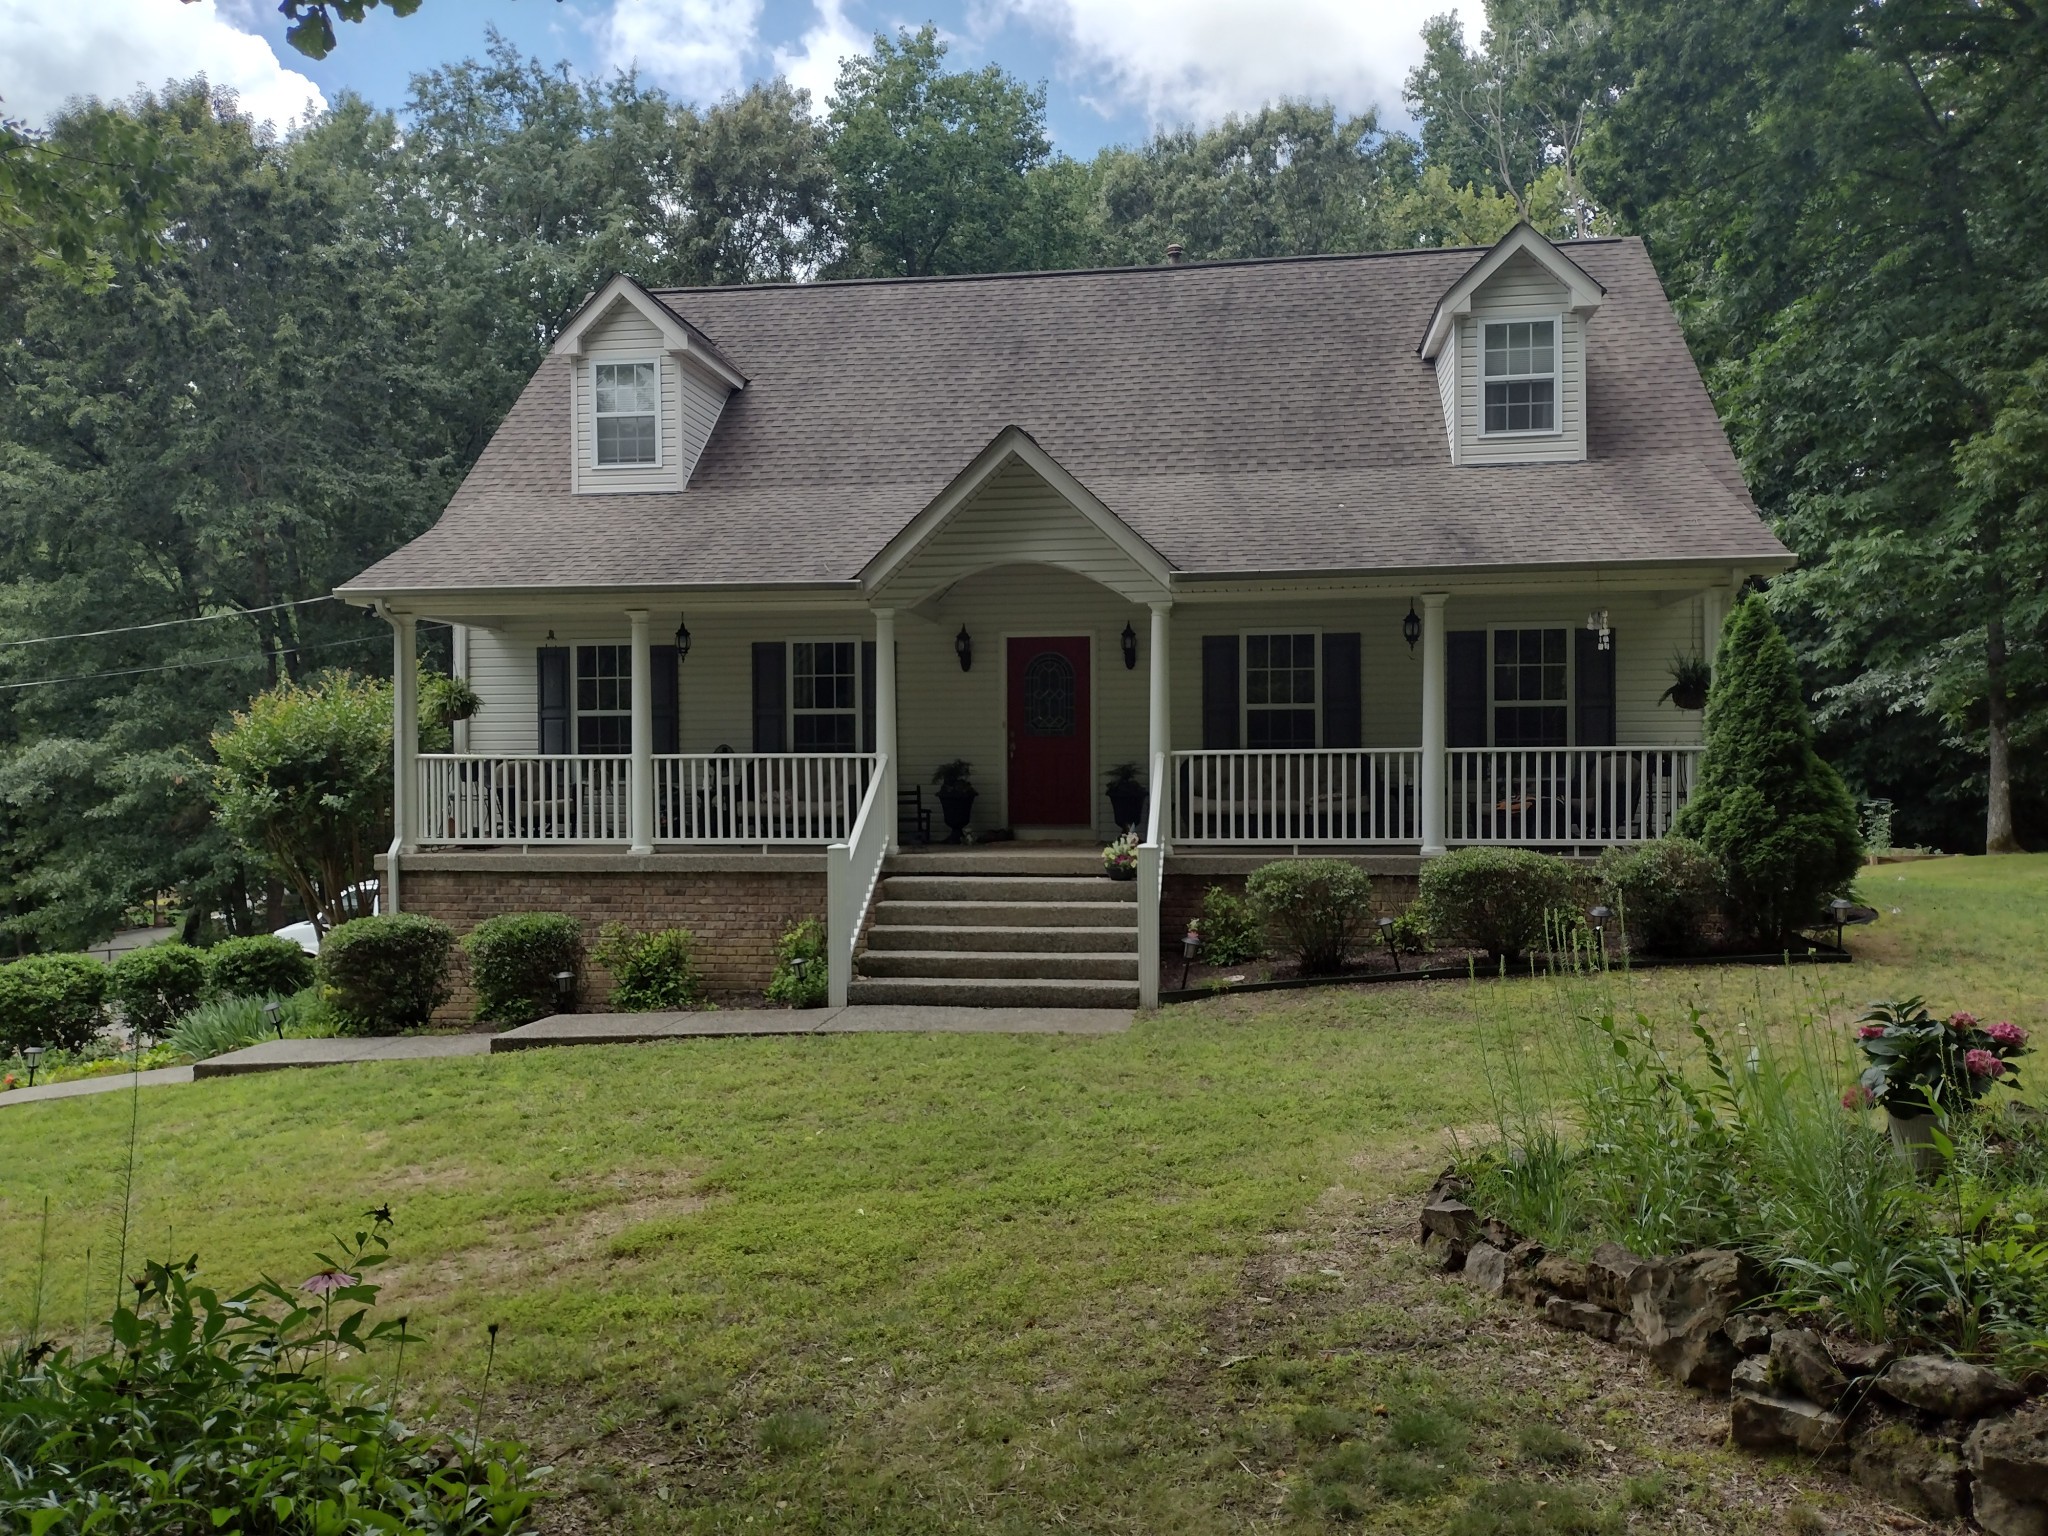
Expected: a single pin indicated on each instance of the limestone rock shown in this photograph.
(1608, 1275)
(1499, 1233)
(1679, 1306)
(1561, 1276)
(1765, 1420)
(1581, 1317)
(1453, 1219)
(2011, 1455)
(1448, 1253)
(1913, 1470)
(2003, 1516)
(1751, 1332)
(1955, 1389)
(1487, 1268)
(1857, 1358)
(1449, 1185)
(1800, 1365)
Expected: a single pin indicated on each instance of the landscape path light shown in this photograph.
(273, 1015)
(32, 1054)
(1393, 944)
(565, 991)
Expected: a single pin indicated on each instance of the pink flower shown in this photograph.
(328, 1281)
(2008, 1034)
(1858, 1097)
(1983, 1064)
(1871, 1032)
(1962, 1021)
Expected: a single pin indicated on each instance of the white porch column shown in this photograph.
(405, 745)
(640, 790)
(1713, 614)
(1433, 723)
(461, 728)
(885, 713)
(1161, 738)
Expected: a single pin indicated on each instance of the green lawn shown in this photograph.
(971, 1283)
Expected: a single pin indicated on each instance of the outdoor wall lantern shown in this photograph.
(682, 639)
(32, 1054)
(1411, 627)
(273, 1015)
(1130, 647)
(963, 647)
(565, 991)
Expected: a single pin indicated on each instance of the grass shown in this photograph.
(977, 1283)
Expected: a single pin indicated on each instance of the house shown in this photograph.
(1376, 555)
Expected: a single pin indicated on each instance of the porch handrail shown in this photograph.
(852, 870)
(1151, 883)
(558, 798)
(1566, 796)
(1264, 796)
(760, 797)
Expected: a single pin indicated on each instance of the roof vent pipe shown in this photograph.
(1173, 254)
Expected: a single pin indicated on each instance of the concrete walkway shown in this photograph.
(272, 1055)
(634, 1028)
(79, 1087)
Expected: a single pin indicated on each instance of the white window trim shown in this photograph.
(660, 412)
(1571, 687)
(1556, 429)
(577, 713)
(789, 708)
(1244, 704)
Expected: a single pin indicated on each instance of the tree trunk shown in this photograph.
(1998, 833)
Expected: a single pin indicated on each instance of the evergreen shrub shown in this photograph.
(54, 1001)
(157, 985)
(1231, 930)
(514, 959)
(1663, 892)
(1316, 908)
(651, 972)
(258, 965)
(384, 975)
(1779, 819)
(811, 986)
(1495, 899)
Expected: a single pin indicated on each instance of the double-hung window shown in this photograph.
(824, 695)
(1521, 376)
(628, 401)
(604, 698)
(1530, 679)
(1280, 690)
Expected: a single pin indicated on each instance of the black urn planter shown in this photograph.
(1127, 805)
(956, 803)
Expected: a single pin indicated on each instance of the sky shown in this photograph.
(1114, 69)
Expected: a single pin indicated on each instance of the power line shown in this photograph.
(204, 618)
(174, 666)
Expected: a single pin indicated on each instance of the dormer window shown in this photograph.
(1521, 376)
(628, 414)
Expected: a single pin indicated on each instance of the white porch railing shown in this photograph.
(1334, 795)
(1565, 796)
(1151, 884)
(473, 799)
(852, 868)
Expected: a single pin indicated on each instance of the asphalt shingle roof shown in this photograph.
(1242, 416)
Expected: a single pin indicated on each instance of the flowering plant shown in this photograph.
(1922, 1065)
(1120, 858)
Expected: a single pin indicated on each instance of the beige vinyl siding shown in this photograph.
(1521, 290)
(1018, 518)
(700, 400)
(690, 406)
(1447, 391)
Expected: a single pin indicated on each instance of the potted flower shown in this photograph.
(1923, 1070)
(1120, 858)
(956, 796)
(1127, 796)
(1690, 679)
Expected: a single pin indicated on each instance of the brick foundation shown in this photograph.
(736, 907)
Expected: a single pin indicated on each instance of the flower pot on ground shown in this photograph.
(1923, 1070)
(1120, 858)
(1913, 1135)
(956, 796)
(1127, 797)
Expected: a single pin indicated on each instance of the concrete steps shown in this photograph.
(1014, 930)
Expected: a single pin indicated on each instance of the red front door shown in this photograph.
(1049, 733)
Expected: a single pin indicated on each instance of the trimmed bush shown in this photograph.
(513, 961)
(651, 972)
(1778, 818)
(1495, 899)
(1316, 908)
(157, 985)
(52, 1001)
(810, 987)
(260, 965)
(1663, 893)
(1231, 930)
(384, 975)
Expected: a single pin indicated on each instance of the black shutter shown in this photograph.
(661, 676)
(771, 687)
(1594, 689)
(1219, 692)
(1343, 708)
(1465, 688)
(867, 695)
(551, 673)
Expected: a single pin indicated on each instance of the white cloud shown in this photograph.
(814, 62)
(1176, 61)
(109, 48)
(697, 48)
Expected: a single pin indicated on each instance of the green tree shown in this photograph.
(933, 167)
(1775, 815)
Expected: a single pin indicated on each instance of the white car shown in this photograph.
(307, 936)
